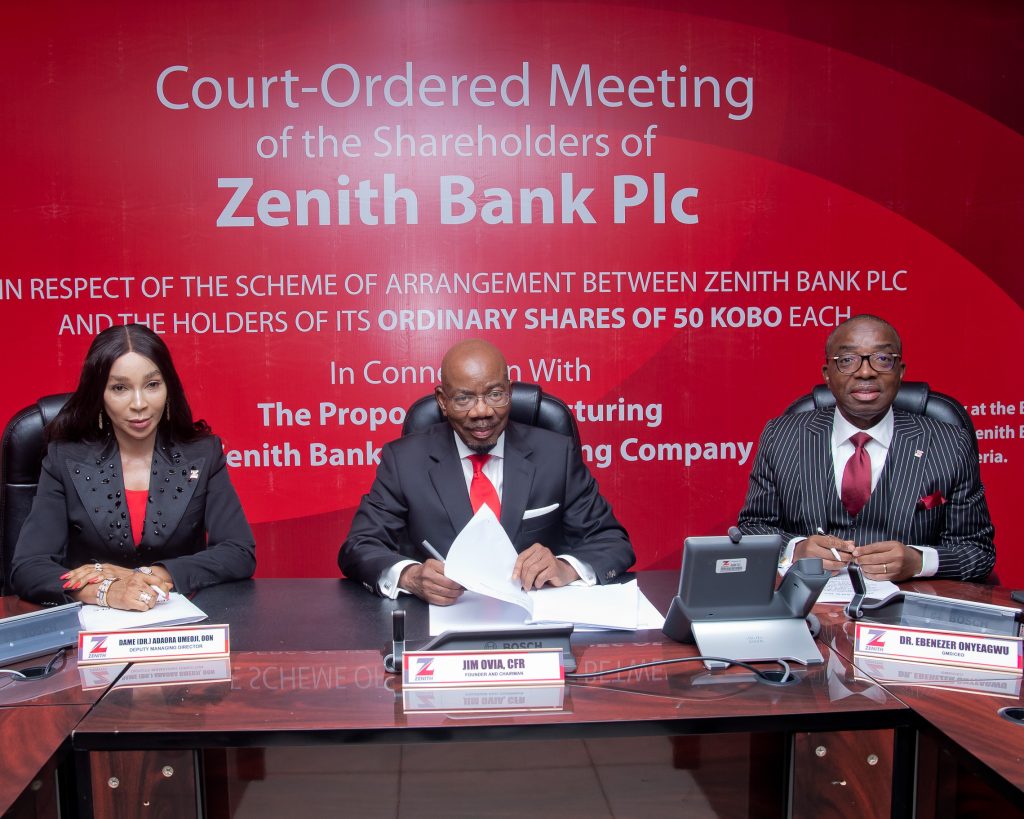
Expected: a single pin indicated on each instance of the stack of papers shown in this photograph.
(482, 559)
(175, 611)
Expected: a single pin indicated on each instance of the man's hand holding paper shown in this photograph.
(428, 581)
(483, 559)
(538, 566)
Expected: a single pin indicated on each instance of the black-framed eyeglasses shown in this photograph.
(849, 363)
(465, 401)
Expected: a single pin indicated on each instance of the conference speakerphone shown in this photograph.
(728, 604)
(490, 640)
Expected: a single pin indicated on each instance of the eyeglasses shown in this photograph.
(849, 363)
(465, 401)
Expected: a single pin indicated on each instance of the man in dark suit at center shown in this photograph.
(429, 485)
(897, 492)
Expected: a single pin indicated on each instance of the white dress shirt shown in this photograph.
(494, 469)
(877, 449)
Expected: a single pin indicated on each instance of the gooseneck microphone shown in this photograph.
(393, 661)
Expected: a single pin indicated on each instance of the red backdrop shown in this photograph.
(743, 175)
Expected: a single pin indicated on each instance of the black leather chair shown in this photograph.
(21, 458)
(530, 405)
(914, 396)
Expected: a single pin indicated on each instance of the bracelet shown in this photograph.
(101, 592)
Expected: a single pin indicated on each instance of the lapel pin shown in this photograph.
(918, 453)
(193, 474)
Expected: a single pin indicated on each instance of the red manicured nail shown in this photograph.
(95, 579)
(65, 576)
(67, 584)
(78, 585)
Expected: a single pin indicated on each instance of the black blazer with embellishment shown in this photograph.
(195, 527)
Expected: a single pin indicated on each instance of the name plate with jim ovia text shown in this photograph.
(142, 644)
(528, 666)
(923, 645)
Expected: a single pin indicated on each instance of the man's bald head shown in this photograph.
(474, 372)
(473, 354)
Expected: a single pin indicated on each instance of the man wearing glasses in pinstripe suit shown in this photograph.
(896, 492)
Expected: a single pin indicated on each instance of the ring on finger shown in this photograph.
(885, 568)
(145, 597)
(98, 566)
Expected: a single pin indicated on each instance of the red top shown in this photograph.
(137, 511)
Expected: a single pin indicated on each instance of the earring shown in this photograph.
(168, 413)
(101, 420)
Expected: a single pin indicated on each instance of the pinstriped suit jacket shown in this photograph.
(792, 490)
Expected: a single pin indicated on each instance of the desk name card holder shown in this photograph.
(38, 632)
(728, 605)
(549, 637)
(987, 652)
(513, 699)
(932, 612)
(146, 644)
(530, 666)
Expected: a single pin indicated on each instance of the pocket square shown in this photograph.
(542, 510)
(932, 500)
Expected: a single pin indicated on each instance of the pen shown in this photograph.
(833, 549)
(432, 551)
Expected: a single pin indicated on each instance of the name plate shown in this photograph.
(921, 645)
(484, 699)
(537, 666)
(138, 645)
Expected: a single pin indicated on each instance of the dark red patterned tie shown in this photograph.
(481, 490)
(856, 487)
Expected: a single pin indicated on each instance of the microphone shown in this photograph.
(393, 661)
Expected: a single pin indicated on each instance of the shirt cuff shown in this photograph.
(387, 583)
(929, 561)
(586, 573)
(787, 555)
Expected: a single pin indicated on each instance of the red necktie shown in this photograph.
(856, 488)
(481, 490)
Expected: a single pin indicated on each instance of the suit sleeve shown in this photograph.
(966, 545)
(379, 528)
(230, 552)
(592, 533)
(42, 544)
(762, 512)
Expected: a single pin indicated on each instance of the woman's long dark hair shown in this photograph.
(79, 420)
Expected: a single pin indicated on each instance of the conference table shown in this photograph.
(37, 717)
(305, 718)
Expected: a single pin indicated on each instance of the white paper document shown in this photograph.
(175, 611)
(482, 559)
(839, 589)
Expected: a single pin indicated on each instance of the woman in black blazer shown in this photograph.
(134, 496)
